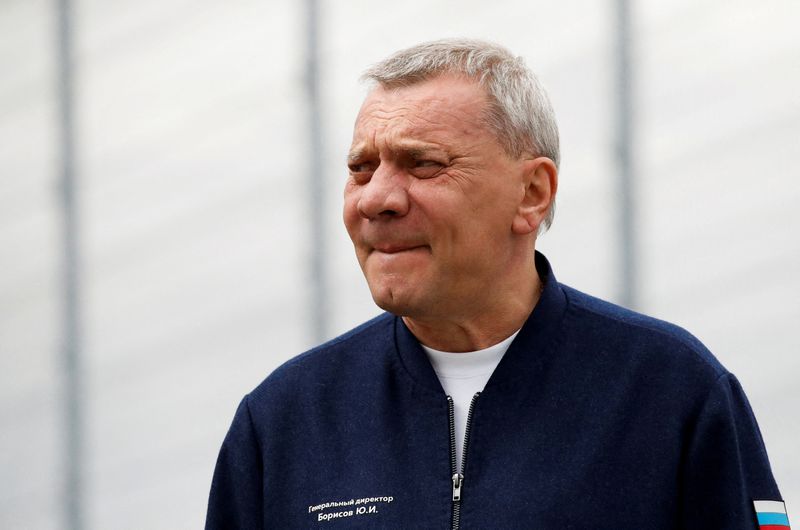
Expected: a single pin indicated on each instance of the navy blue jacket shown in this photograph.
(596, 417)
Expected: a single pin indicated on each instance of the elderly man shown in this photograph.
(488, 395)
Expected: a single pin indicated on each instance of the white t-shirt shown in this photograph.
(462, 375)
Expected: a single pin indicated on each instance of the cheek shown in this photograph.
(350, 214)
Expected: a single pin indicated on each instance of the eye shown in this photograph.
(425, 168)
(361, 171)
(359, 168)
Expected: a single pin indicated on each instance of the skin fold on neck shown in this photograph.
(492, 324)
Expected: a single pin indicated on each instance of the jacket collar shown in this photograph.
(524, 355)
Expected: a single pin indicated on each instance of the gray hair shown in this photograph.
(519, 113)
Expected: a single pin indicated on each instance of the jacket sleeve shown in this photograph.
(236, 500)
(726, 465)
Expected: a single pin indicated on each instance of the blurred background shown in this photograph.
(170, 194)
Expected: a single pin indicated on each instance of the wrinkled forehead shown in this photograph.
(441, 108)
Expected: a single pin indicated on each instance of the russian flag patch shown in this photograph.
(771, 515)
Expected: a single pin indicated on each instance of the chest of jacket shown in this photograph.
(385, 461)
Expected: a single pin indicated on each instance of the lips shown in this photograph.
(386, 248)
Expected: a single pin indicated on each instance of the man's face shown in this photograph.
(430, 198)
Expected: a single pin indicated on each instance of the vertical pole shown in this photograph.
(71, 345)
(628, 295)
(318, 304)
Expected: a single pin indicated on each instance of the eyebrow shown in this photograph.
(355, 155)
(414, 151)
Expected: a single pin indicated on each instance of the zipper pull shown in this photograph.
(458, 479)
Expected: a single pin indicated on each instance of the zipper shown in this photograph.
(457, 476)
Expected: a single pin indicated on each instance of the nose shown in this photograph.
(385, 195)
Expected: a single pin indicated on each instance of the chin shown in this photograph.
(395, 301)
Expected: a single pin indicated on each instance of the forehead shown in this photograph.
(442, 110)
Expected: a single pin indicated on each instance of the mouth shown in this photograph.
(396, 249)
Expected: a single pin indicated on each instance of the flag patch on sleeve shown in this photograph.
(771, 515)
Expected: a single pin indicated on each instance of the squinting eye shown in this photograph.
(425, 169)
(361, 172)
(362, 167)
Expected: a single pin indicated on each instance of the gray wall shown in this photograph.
(192, 163)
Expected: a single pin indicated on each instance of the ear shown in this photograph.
(540, 180)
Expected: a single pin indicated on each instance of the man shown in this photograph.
(488, 395)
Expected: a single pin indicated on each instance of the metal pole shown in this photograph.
(71, 346)
(628, 296)
(318, 304)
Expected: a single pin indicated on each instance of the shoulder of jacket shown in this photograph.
(658, 337)
(320, 362)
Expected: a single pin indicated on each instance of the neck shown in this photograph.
(499, 317)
